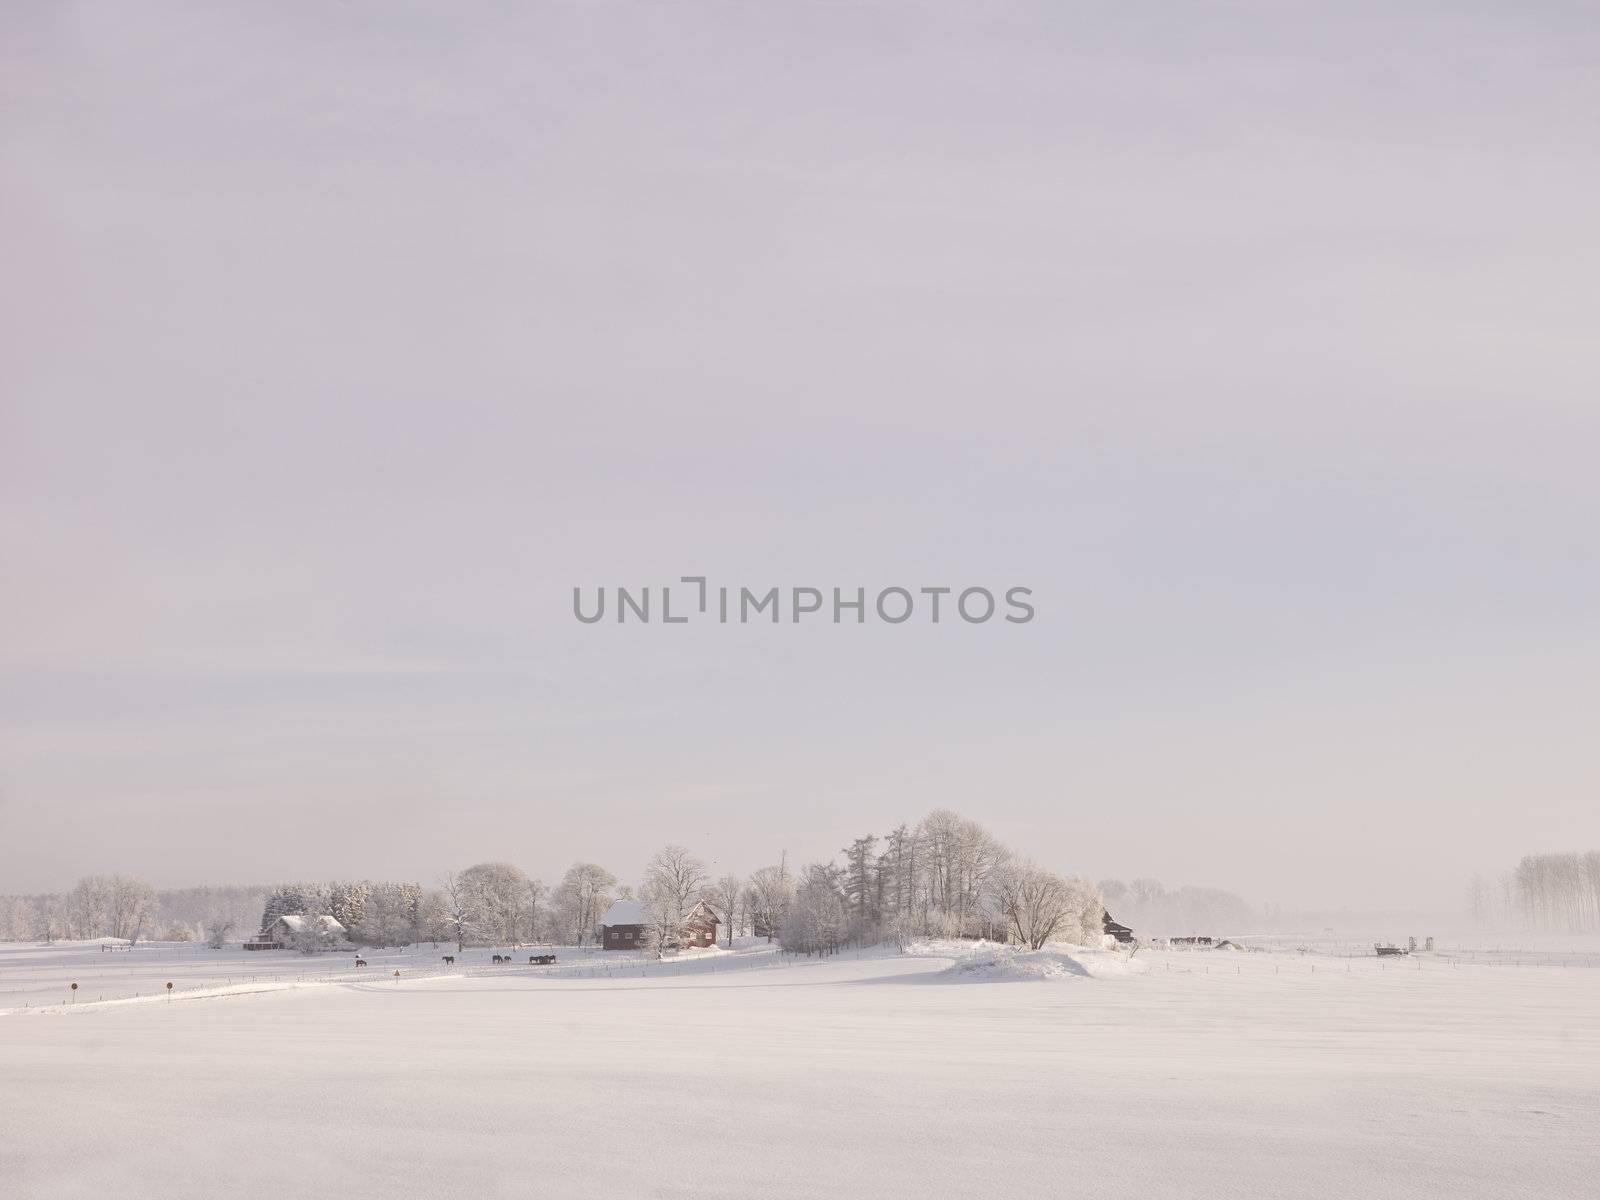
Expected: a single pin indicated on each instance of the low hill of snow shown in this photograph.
(978, 962)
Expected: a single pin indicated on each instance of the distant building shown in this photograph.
(624, 925)
(291, 928)
(1121, 932)
(700, 927)
(622, 928)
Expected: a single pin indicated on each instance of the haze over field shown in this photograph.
(341, 343)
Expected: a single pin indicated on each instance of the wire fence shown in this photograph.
(170, 973)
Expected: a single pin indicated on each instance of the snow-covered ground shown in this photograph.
(948, 1071)
(34, 976)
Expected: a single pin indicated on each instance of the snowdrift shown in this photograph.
(983, 962)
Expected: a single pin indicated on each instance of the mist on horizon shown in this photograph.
(1257, 346)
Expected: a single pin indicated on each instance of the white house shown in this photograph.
(291, 928)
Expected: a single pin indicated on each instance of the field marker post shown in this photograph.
(169, 991)
(74, 993)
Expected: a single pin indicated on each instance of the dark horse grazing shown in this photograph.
(361, 962)
(451, 959)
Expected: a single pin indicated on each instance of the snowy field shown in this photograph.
(951, 1071)
(32, 976)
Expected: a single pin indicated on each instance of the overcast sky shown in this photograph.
(340, 341)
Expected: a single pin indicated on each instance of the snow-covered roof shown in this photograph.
(296, 923)
(702, 911)
(624, 912)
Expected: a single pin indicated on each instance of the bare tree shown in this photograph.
(47, 918)
(726, 896)
(815, 920)
(1558, 891)
(218, 927)
(497, 897)
(1145, 891)
(673, 882)
(1478, 899)
(861, 882)
(433, 919)
(458, 915)
(391, 914)
(110, 906)
(581, 899)
(1037, 903)
(958, 858)
(309, 932)
(771, 890)
(538, 916)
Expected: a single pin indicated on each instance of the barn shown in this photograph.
(622, 928)
(1121, 932)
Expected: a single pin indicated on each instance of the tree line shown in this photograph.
(1553, 892)
(120, 906)
(943, 876)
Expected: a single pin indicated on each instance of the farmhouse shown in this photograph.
(700, 927)
(292, 926)
(1121, 932)
(623, 926)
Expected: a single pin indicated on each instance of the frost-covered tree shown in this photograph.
(580, 900)
(31, 918)
(771, 889)
(392, 914)
(862, 883)
(1558, 891)
(313, 934)
(1114, 891)
(1039, 904)
(899, 874)
(217, 929)
(296, 899)
(959, 856)
(347, 902)
(538, 911)
(673, 882)
(1478, 900)
(815, 920)
(202, 907)
(727, 896)
(49, 919)
(115, 906)
(497, 897)
(1146, 891)
(457, 914)
(433, 920)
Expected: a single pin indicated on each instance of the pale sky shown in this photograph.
(340, 341)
